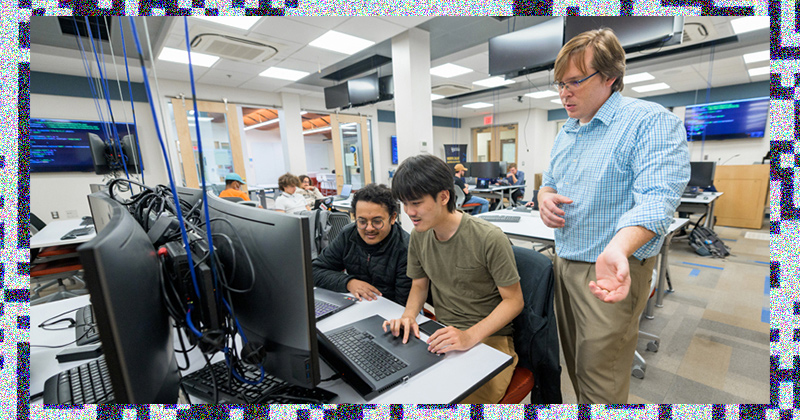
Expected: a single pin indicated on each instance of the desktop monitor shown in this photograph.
(100, 154)
(131, 151)
(702, 174)
(132, 321)
(102, 207)
(97, 187)
(490, 170)
(276, 313)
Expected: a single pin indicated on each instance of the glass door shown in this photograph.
(496, 143)
(351, 150)
(219, 132)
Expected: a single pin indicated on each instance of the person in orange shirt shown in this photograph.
(233, 183)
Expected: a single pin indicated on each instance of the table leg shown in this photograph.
(662, 270)
(710, 216)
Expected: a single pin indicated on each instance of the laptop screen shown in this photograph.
(346, 189)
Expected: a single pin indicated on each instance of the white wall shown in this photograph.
(66, 191)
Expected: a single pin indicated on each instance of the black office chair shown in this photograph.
(337, 221)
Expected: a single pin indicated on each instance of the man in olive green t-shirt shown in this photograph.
(469, 265)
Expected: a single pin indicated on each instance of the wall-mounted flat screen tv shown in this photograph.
(63, 145)
(727, 120)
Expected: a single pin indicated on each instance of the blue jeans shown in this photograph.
(480, 200)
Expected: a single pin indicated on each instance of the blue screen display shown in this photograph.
(727, 120)
(394, 150)
(63, 145)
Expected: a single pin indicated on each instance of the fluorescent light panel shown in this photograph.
(542, 94)
(180, 56)
(556, 101)
(477, 105)
(241, 22)
(493, 82)
(638, 77)
(650, 88)
(449, 70)
(756, 56)
(758, 71)
(750, 23)
(341, 43)
(261, 124)
(317, 130)
(284, 74)
(435, 96)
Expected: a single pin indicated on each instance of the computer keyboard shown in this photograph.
(359, 348)
(85, 328)
(269, 391)
(89, 383)
(321, 308)
(500, 218)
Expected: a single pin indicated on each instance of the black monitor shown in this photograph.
(132, 321)
(131, 151)
(634, 33)
(527, 50)
(386, 87)
(106, 156)
(102, 207)
(337, 96)
(100, 155)
(363, 90)
(277, 314)
(488, 170)
(702, 174)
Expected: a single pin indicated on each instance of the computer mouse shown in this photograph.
(65, 237)
(705, 198)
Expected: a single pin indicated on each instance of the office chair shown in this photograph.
(460, 197)
(639, 364)
(337, 221)
(54, 272)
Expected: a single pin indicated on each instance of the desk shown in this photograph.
(448, 381)
(494, 191)
(703, 203)
(260, 191)
(52, 233)
(343, 205)
(531, 228)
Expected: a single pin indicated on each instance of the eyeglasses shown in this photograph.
(573, 84)
(376, 223)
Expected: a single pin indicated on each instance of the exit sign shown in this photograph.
(487, 120)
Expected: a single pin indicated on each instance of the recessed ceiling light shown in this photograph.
(542, 94)
(650, 88)
(556, 101)
(493, 82)
(638, 77)
(180, 56)
(756, 56)
(317, 130)
(285, 74)
(449, 70)
(435, 96)
(477, 105)
(241, 22)
(758, 71)
(261, 124)
(341, 43)
(750, 23)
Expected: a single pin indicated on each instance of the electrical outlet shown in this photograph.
(54, 214)
(72, 214)
(705, 158)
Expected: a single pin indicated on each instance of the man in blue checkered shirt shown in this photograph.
(617, 171)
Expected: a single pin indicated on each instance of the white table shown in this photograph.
(343, 205)
(446, 382)
(260, 191)
(52, 233)
(703, 203)
(531, 228)
(494, 191)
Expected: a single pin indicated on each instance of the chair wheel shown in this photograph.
(638, 372)
(652, 346)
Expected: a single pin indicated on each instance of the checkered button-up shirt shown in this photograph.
(627, 167)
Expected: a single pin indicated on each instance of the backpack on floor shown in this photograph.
(706, 242)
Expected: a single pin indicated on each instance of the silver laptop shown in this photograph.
(346, 190)
(327, 303)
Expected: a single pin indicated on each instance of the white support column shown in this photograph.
(411, 67)
(292, 141)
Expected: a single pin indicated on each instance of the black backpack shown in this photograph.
(706, 242)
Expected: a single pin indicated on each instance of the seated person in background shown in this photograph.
(372, 251)
(233, 183)
(516, 177)
(468, 264)
(290, 200)
(469, 198)
(310, 192)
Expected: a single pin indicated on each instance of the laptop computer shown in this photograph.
(328, 302)
(373, 361)
(346, 190)
(483, 183)
(324, 203)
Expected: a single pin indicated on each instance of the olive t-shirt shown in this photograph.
(464, 271)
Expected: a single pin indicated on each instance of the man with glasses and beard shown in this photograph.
(368, 258)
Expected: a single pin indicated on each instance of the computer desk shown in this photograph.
(531, 228)
(703, 203)
(494, 191)
(53, 231)
(447, 382)
(343, 205)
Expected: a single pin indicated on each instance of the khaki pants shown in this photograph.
(598, 338)
(494, 390)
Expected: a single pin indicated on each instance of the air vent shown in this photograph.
(233, 48)
(100, 27)
(699, 30)
(450, 89)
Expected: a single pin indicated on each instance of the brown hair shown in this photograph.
(287, 180)
(511, 166)
(608, 59)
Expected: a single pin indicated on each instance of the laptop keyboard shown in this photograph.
(500, 218)
(359, 348)
(89, 383)
(323, 308)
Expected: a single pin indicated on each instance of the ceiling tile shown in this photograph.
(288, 29)
(370, 28)
(406, 21)
(325, 22)
(322, 57)
(224, 78)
